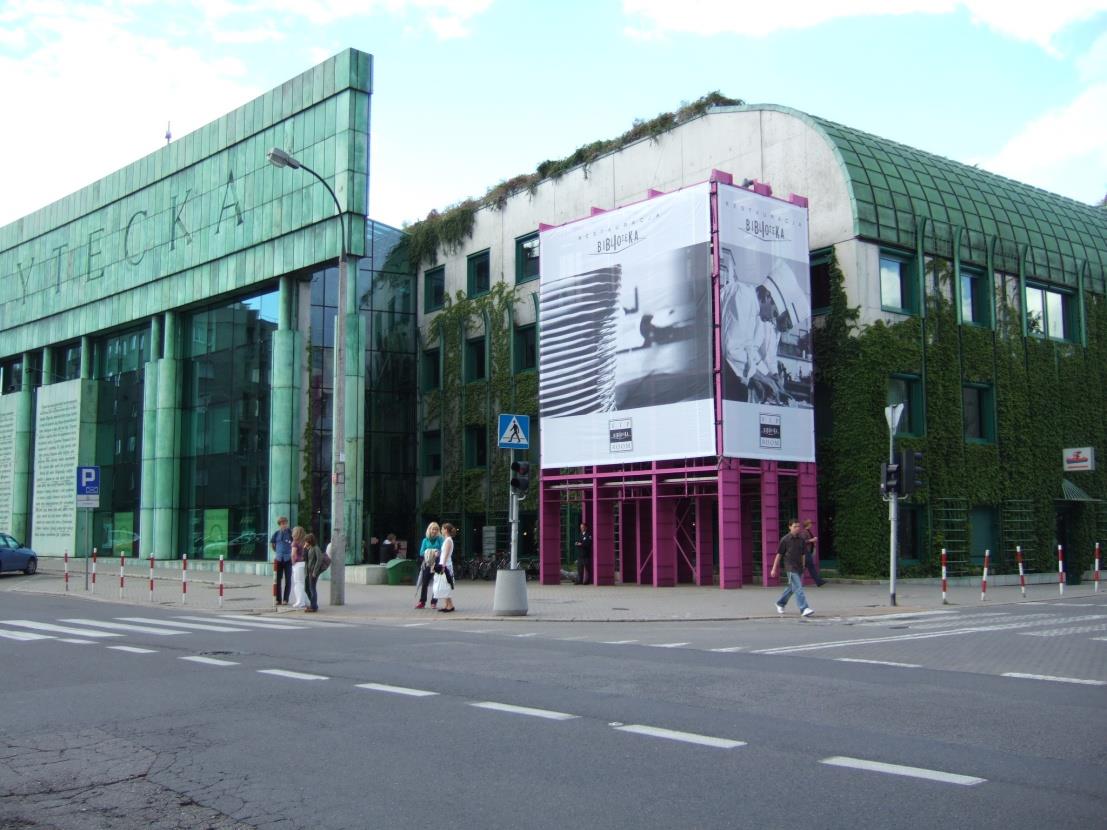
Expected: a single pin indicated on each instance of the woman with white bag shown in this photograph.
(443, 571)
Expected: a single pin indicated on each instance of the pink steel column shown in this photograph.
(808, 498)
(603, 540)
(549, 538)
(705, 541)
(730, 526)
(664, 546)
(770, 519)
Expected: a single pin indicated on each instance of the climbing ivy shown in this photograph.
(447, 230)
(1049, 395)
(306, 508)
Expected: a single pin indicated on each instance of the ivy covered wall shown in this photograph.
(1048, 395)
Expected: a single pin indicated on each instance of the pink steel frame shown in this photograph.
(648, 494)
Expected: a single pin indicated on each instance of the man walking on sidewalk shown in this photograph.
(791, 549)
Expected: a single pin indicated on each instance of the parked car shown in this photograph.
(16, 557)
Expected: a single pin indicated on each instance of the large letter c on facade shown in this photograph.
(127, 240)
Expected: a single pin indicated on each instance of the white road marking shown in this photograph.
(528, 634)
(618, 642)
(143, 629)
(413, 625)
(188, 625)
(910, 772)
(921, 636)
(1055, 679)
(396, 690)
(77, 641)
(523, 710)
(1100, 639)
(878, 662)
(134, 649)
(24, 636)
(272, 626)
(728, 650)
(1063, 632)
(666, 645)
(293, 675)
(474, 630)
(58, 629)
(685, 737)
(209, 661)
(904, 616)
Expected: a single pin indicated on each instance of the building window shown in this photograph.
(526, 348)
(432, 375)
(480, 274)
(11, 375)
(1049, 312)
(434, 288)
(476, 447)
(896, 285)
(975, 298)
(474, 360)
(67, 362)
(907, 390)
(526, 258)
(432, 452)
(820, 281)
(978, 411)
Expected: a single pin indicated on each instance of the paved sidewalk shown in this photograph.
(245, 593)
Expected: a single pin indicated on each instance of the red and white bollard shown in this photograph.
(66, 560)
(94, 570)
(1061, 570)
(122, 574)
(151, 579)
(220, 580)
(276, 570)
(984, 579)
(1022, 572)
(945, 584)
(1096, 567)
(184, 578)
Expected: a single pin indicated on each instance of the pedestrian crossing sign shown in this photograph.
(514, 432)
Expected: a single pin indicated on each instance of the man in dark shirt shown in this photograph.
(584, 554)
(281, 544)
(792, 549)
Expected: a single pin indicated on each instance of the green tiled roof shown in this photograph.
(895, 187)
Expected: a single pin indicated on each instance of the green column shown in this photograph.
(149, 443)
(47, 366)
(166, 458)
(21, 458)
(86, 357)
(284, 413)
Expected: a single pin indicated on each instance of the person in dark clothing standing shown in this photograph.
(812, 566)
(281, 544)
(584, 554)
(792, 551)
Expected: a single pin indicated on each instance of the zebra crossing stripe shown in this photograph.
(59, 629)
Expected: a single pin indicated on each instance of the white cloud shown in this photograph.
(446, 18)
(1092, 65)
(1062, 150)
(1037, 23)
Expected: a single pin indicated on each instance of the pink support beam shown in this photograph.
(628, 540)
(549, 546)
(664, 548)
(770, 519)
(644, 566)
(807, 492)
(730, 527)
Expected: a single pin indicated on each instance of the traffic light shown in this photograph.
(913, 472)
(891, 484)
(520, 478)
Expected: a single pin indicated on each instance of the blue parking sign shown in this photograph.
(88, 487)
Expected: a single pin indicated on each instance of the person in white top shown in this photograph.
(443, 588)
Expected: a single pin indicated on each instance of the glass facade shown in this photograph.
(120, 368)
(225, 399)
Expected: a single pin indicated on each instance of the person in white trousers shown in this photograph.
(299, 567)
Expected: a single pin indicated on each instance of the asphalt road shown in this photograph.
(138, 717)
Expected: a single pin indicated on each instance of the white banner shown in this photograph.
(57, 437)
(765, 295)
(625, 334)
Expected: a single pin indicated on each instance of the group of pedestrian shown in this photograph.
(436, 567)
(298, 563)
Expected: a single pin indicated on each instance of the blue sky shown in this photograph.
(471, 92)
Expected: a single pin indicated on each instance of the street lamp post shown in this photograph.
(279, 158)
